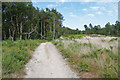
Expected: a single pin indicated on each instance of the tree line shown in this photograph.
(109, 29)
(21, 20)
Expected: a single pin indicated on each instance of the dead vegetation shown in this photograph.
(93, 57)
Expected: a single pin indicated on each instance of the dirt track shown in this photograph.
(47, 62)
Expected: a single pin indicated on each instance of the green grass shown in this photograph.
(83, 67)
(113, 39)
(89, 55)
(103, 40)
(15, 54)
(73, 36)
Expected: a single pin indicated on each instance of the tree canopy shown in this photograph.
(109, 29)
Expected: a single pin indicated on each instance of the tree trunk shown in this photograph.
(44, 28)
(9, 32)
(13, 35)
(13, 28)
(17, 26)
(28, 36)
(41, 29)
(21, 31)
(54, 28)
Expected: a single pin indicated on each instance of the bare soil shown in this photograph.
(47, 62)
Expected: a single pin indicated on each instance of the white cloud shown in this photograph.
(108, 0)
(72, 15)
(95, 8)
(91, 15)
(89, 0)
(84, 9)
(110, 12)
(52, 5)
(62, 1)
(102, 8)
(99, 12)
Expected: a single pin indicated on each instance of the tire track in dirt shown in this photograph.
(47, 62)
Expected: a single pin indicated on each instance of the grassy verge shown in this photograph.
(90, 61)
(73, 36)
(15, 54)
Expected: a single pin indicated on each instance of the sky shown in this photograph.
(77, 14)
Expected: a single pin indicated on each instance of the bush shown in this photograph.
(95, 53)
(90, 55)
(73, 36)
(66, 53)
(113, 39)
(90, 45)
(85, 55)
(56, 42)
(102, 40)
(106, 75)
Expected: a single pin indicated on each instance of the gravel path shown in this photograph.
(47, 62)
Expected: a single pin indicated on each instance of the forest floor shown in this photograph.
(47, 62)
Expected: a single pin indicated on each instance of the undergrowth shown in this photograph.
(15, 54)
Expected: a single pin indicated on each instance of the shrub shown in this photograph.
(111, 47)
(113, 39)
(56, 42)
(83, 67)
(10, 38)
(107, 50)
(85, 55)
(73, 36)
(102, 40)
(110, 53)
(89, 55)
(85, 44)
(66, 53)
(95, 53)
(90, 45)
(106, 75)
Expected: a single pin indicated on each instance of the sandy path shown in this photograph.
(48, 63)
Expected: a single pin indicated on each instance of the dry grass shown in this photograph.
(99, 53)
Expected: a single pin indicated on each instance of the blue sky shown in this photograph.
(77, 14)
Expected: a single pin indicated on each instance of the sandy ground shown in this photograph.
(47, 62)
(95, 41)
